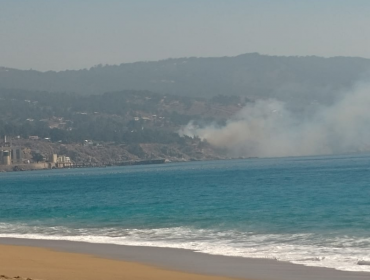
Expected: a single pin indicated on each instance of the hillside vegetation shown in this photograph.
(111, 127)
(293, 79)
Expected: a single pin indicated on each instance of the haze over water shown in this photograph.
(309, 210)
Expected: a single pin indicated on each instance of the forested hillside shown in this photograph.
(120, 117)
(293, 79)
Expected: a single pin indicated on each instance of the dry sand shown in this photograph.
(20, 262)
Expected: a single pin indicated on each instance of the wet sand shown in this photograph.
(48, 260)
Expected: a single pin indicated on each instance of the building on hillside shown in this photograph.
(53, 158)
(15, 155)
(10, 154)
(88, 142)
(63, 161)
(5, 157)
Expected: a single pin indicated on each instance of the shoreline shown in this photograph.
(143, 162)
(186, 261)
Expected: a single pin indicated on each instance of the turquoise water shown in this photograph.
(313, 210)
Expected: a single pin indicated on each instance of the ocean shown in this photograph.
(313, 211)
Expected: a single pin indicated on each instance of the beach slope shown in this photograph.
(20, 262)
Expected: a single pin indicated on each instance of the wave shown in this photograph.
(338, 252)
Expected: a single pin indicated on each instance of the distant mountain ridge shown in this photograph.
(252, 75)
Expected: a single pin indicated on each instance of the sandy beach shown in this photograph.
(62, 260)
(20, 262)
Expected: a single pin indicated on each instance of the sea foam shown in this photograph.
(342, 253)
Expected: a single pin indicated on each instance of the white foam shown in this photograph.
(339, 252)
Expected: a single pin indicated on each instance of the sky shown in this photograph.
(76, 34)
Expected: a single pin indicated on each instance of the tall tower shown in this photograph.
(6, 158)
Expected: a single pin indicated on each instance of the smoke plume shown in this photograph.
(266, 128)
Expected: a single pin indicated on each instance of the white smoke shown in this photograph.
(266, 128)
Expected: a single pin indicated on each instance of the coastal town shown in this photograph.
(15, 157)
(36, 153)
(120, 128)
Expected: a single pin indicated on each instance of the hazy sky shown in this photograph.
(74, 34)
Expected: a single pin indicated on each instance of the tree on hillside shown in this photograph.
(37, 157)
